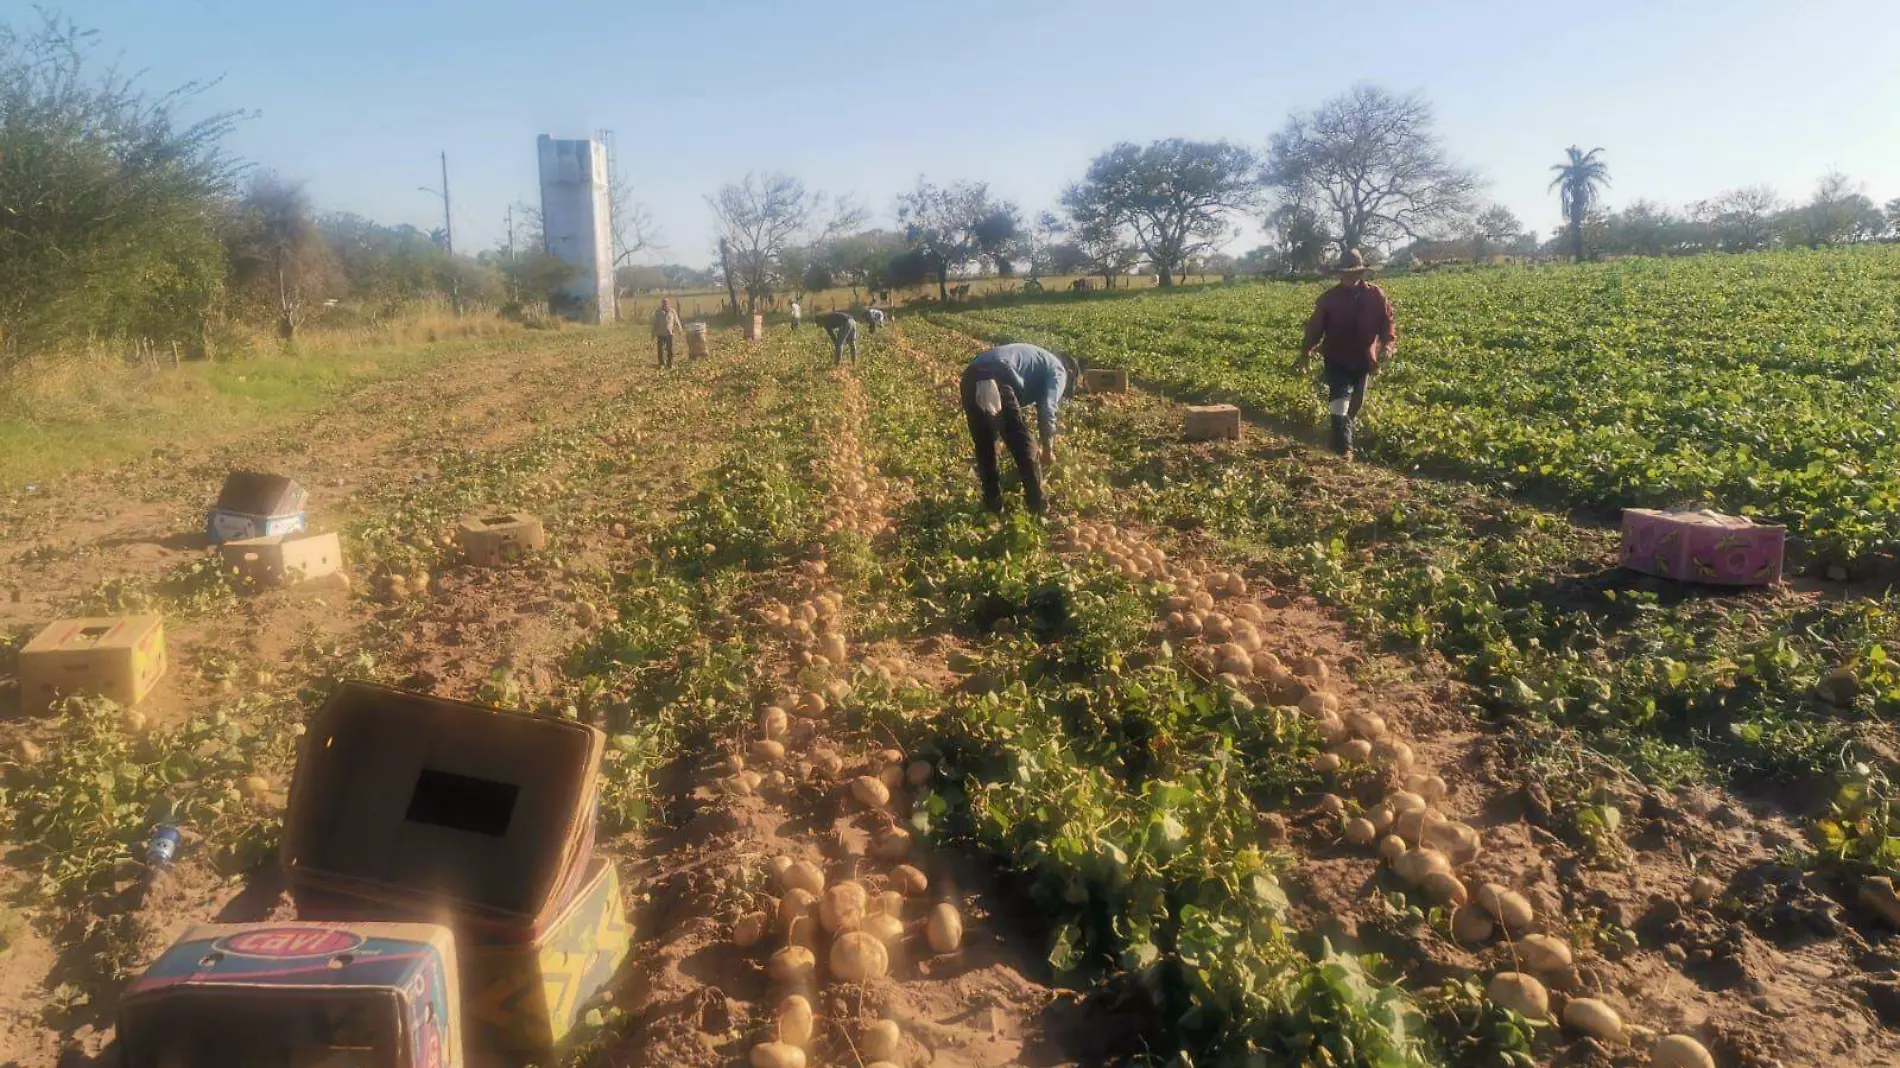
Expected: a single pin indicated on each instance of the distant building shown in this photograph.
(576, 217)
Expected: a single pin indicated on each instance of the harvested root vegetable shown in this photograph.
(1402, 801)
(1410, 824)
(806, 876)
(1392, 753)
(1472, 925)
(735, 763)
(778, 866)
(837, 690)
(767, 751)
(1542, 953)
(1314, 705)
(256, 787)
(885, 927)
(1459, 841)
(1519, 993)
(908, 880)
(1416, 864)
(827, 764)
(1249, 612)
(1679, 1051)
(1360, 831)
(1357, 751)
(748, 929)
(892, 776)
(1703, 889)
(887, 901)
(1391, 848)
(1596, 1019)
(777, 1055)
(791, 966)
(1381, 819)
(1203, 601)
(1326, 763)
(893, 844)
(857, 957)
(1330, 728)
(1507, 906)
(880, 1041)
(945, 928)
(1332, 804)
(744, 784)
(773, 722)
(794, 1021)
(797, 902)
(870, 791)
(1315, 668)
(1367, 725)
(810, 704)
(842, 907)
(1429, 787)
(1444, 888)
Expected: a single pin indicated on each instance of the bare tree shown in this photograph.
(1740, 220)
(1491, 229)
(279, 257)
(1171, 199)
(634, 230)
(763, 214)
(1373, 162)
(956, 224)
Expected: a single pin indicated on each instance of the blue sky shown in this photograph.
(356, 97)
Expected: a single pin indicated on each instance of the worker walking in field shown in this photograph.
(841, 329)
(995, 386)
(1352, 326)
(666, 325)
(797, 314)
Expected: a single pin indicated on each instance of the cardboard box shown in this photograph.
(411, 807)
(222, 526)
(297, 995)
(283, 559)
(1103, 380)
(1702, 546)
(1211, 421)
(527, 998)
(499, 537)
(116, 658)
(755, 329)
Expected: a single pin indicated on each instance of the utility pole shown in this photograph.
(514, 297)
(448, 234)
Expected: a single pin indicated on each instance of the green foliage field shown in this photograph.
(1764, 384)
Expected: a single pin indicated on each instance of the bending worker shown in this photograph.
(875, 317)
(995, 387)
(841, 328)
(1352, 326)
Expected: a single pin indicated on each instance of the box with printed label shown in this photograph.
(298, 995)
(1702, 546)
(500, 537)
(117, 658)
(526, 998)
(283, 559)
(1104, 380)
(222, 526)
(1211, 421)
(406, 806)
(253, 504)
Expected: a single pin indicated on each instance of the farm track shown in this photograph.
(1683, 970)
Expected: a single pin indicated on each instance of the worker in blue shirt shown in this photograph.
(995, 387)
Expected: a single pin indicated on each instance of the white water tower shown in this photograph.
(576, 216)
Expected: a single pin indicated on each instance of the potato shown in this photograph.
(892, 776)
(891, 757)
(1402, 801)
(1679, 1051)
(1410, 824)
(1391, 753)
(1596, 1019)
(794, 1021)
(1430, 787)
(1314, 705)
(1314, 667)
(748, 929)
(1506, 906)
(1703, 889)
(778, 866)
(767, 751)
(1179, 603)
(1332, 804)
(1360, 831)
(857, 957)
(885, 927)
(893, 844)
(1357, 751)
(908, 880)
(944, 930)
(1459, 841)
(773, 722)
(918, 772)
(735, 763)
(256, 787)
(1472, 925)
(827, 764)
(870, 791)
(1520, 993)
(792, 966)
(1190, 624)
(1444, 888)
(1236, 586)
(1391, 848)
(1249, 612)
(1326, 763)
(1381, 819)
(1542, 953)
(880, 1041)
(1330, 729)
(1203, 601)
(806, 876)
(837, 690)
(842, 907)
(797, 902)
(810, 704)
(889, 902)
(1217, 627)
(1416, 864)
(1247, 636)
(777, 1055)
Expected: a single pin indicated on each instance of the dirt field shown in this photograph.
(1148, 856)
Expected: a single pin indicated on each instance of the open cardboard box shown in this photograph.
(117, 658)
(411, 807)
(494, 538)
(297, 995)
(253, 504)
(283, 559)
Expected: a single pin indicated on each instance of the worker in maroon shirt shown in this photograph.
(1352, 326)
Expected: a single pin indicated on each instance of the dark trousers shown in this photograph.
(1014, 430)
(1345, 384)
(664, 342)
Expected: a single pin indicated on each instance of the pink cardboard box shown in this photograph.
(1702, 546)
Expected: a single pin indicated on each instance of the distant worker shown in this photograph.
(841, 329)
(797, 314)
(994, 389)
(1352, 325)
(875, 317)
(666, 324)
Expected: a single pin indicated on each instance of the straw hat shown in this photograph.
(1352, 261)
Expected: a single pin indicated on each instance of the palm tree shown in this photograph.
(1577, 182)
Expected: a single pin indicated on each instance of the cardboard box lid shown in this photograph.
(1702, 517)
(258, 493)
(442, 801)
(93, 633)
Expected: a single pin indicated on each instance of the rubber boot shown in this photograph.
(1342, 435)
